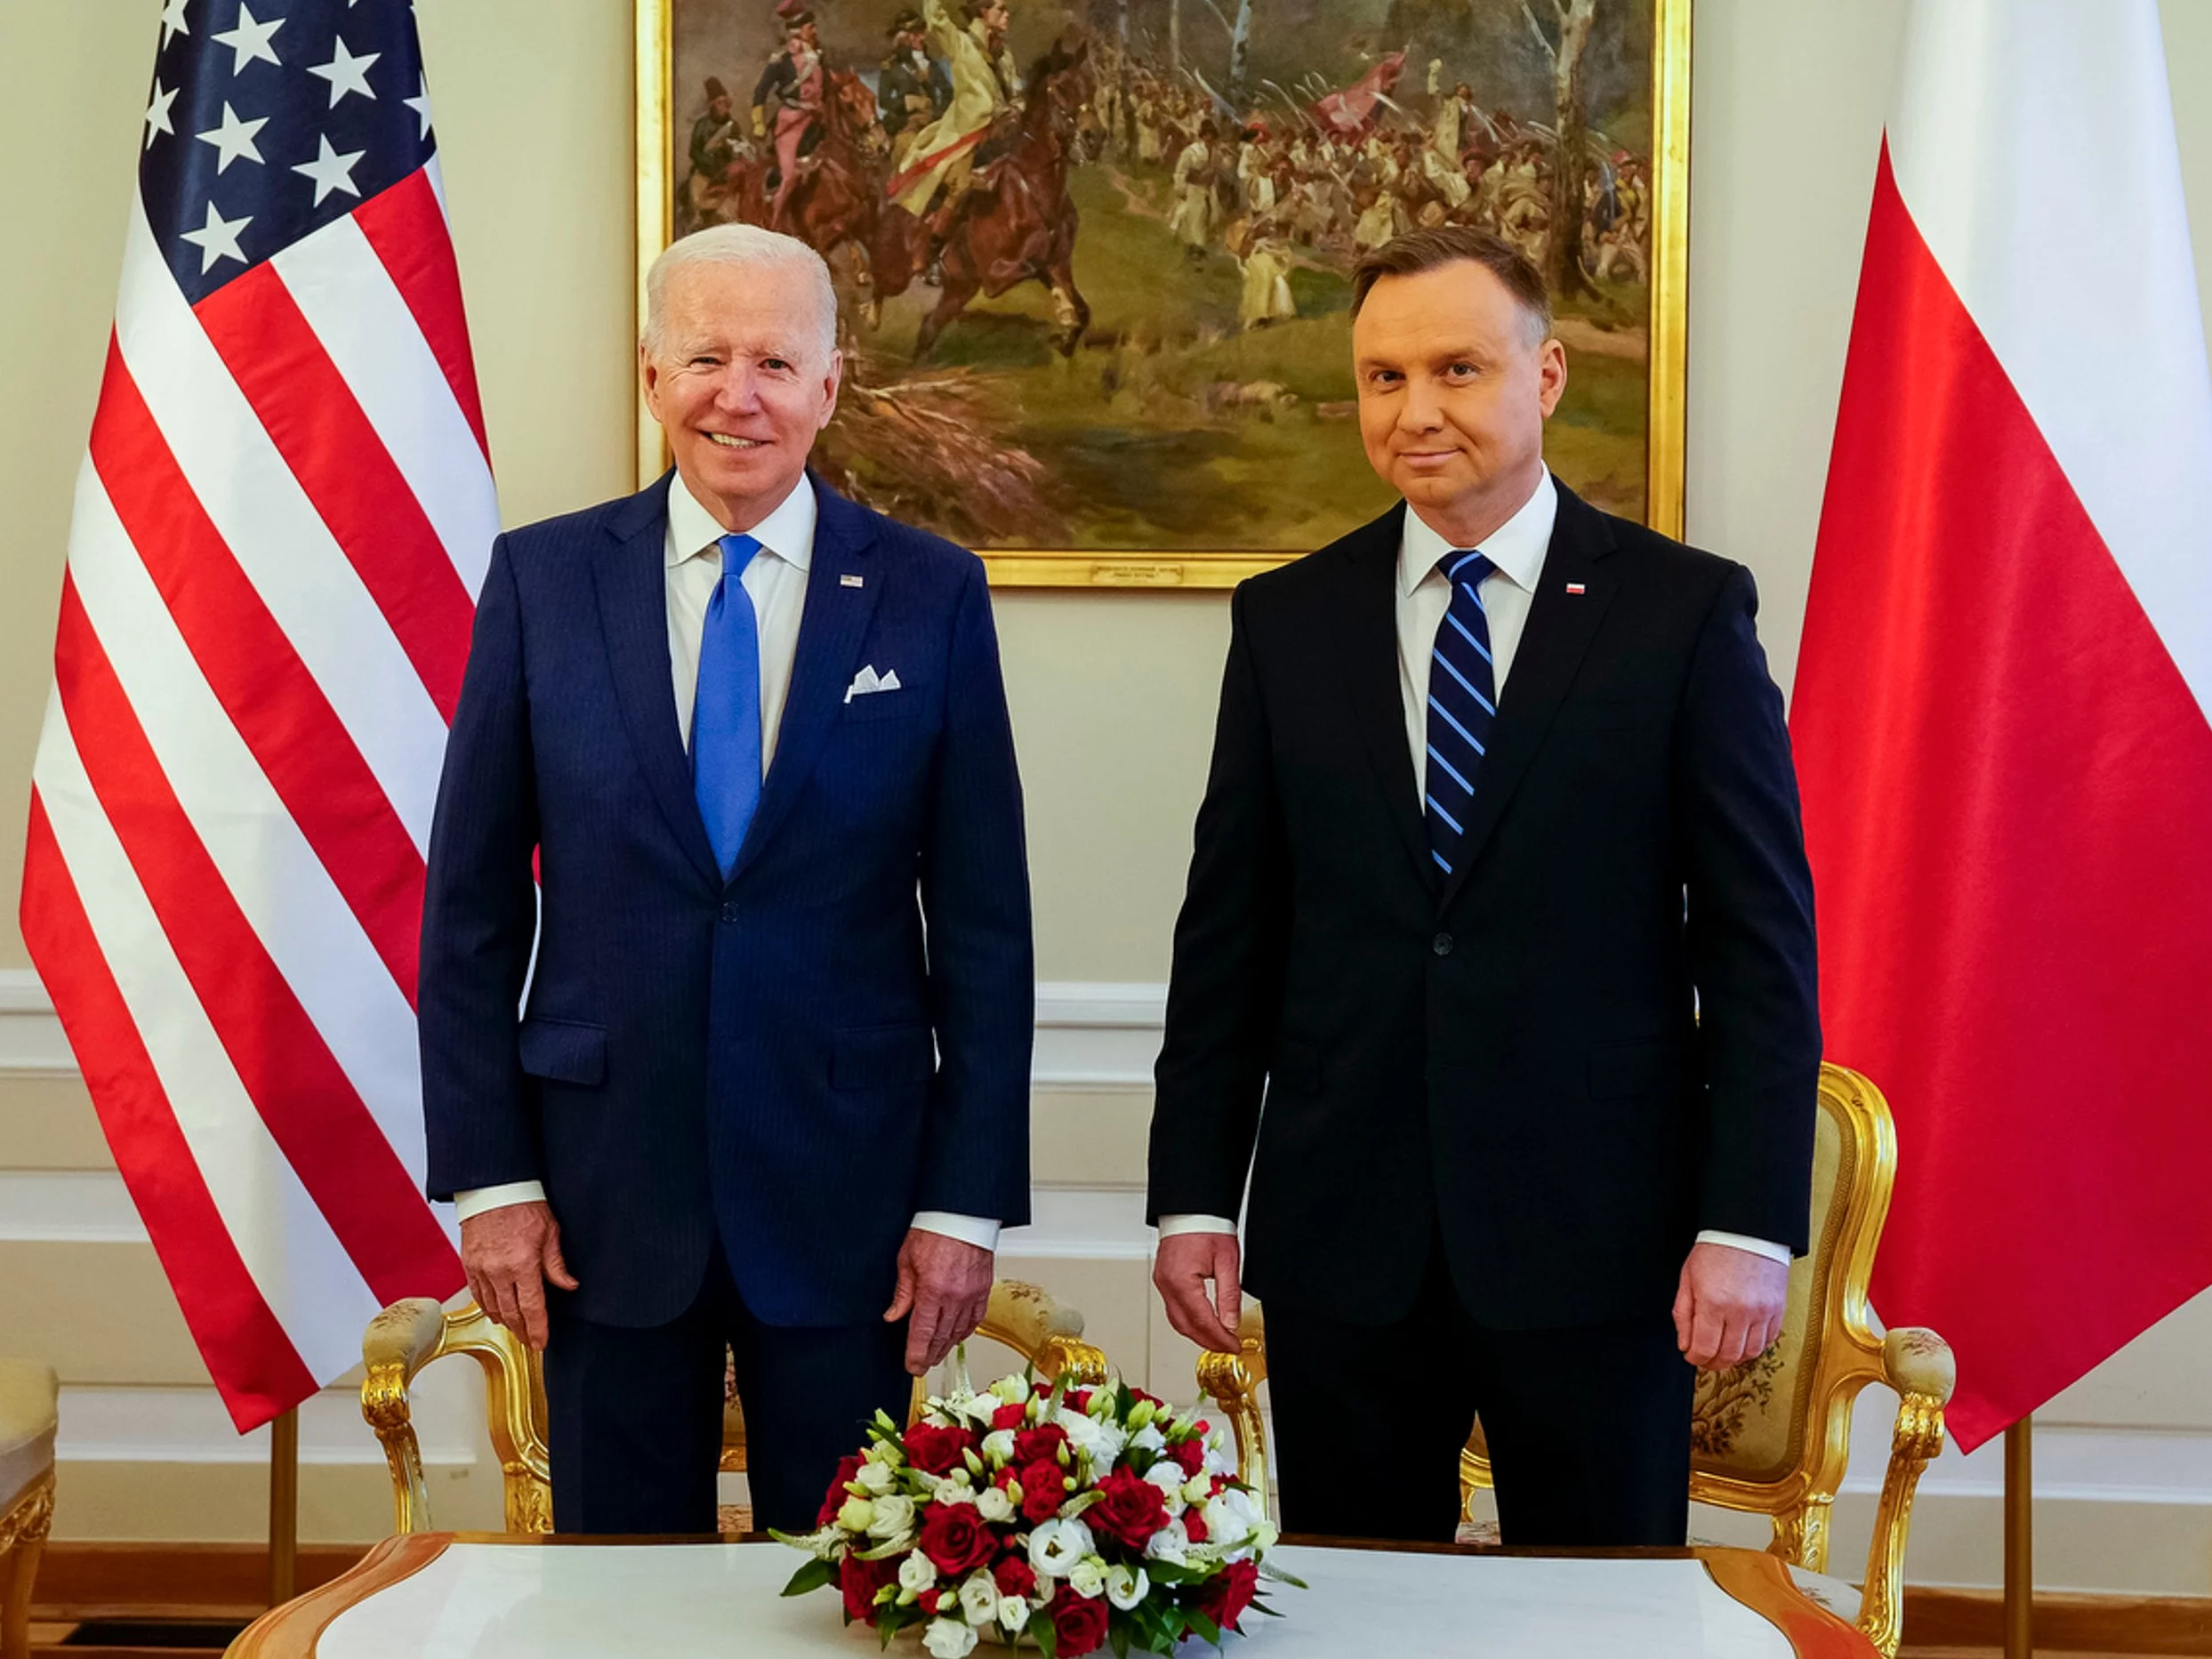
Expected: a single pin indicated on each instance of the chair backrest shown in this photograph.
(409, 1335)
(1772, 1435)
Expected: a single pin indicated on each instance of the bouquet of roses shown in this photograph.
(1075, 1517)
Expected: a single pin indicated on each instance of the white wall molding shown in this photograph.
(1091, 1034)
(31, 1043)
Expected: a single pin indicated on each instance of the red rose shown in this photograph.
(1077, 1401)
(1128, 1508)
(1009, 1417)
(1042, 1443)
(860, 1580)
(834, 1499)
(1015, 1576)
(954, 1538)
(1194, 1525)
(1044, 1487)
(1224, 1596)
(1189, 1456)
(936, 1450)
(1078, 1622)
(928, 1601)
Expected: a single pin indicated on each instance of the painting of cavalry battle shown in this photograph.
(1096, 254)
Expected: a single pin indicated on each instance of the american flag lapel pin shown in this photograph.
(1576, 587)
(848, 582)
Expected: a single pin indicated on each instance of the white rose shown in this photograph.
(1125, 1588)
(878, 1477)
(1230, 1518)
(1086, 1577)
(1169, 1478)
(856, 1514)
(917, 1573)
(1171, 1544)
(1112, 1438)
(1014, 1613)
(1011, 1391)
(955, 1489)
(894, 1516)
(1195, 1488)
(993, 1505)
(1149, 1439)
(948, 1639)
(998, 1447)
(1082, 1431)
(1055, 1546)
(979, 1599)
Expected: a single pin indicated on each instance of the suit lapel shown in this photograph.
(1370, 660)
(1559, 629)
(630, 579)
(831, 628)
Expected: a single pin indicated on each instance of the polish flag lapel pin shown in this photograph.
(1576, 587)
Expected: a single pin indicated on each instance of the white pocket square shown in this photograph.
(867, 680)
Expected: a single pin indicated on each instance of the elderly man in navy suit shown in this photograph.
(770, 1086)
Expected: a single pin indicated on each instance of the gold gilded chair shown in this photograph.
(409, 1335)
(28, 1423)
(1771, 1437)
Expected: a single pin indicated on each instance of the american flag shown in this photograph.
(279, 528)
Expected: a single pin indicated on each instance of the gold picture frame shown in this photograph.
(1666, 363)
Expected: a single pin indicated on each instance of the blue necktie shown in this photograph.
(1462, 702)
(726, 711)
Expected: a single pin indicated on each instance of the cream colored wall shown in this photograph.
(1113, 696)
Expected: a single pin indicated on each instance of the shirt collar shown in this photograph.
(787, 532)
(1515, 548)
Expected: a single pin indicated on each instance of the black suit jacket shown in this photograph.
(1517, 1055)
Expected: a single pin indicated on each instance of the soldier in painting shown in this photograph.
(714, 146)
(792, 84)
(1192, 219)
(914, 88)
(942, 157)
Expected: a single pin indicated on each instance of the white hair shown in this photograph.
(748, 247)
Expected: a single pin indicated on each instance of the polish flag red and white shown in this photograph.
(283, 514)
(2000, 713)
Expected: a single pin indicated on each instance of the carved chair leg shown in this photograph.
(1801, 1534)
(19, 1572)
(1918, 1437)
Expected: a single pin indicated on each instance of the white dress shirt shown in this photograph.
(1516, 550)
(776, 582)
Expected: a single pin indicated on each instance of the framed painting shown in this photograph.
(1094, 256)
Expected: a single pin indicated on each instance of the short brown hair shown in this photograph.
(1447, 245)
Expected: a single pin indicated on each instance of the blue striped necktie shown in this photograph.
(1462, 702)
(725, 709)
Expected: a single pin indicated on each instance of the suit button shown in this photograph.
(1442, 944)
(729, 910)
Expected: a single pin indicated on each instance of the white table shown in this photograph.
(447, 1595)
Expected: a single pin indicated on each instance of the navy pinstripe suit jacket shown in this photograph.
(784, 1060)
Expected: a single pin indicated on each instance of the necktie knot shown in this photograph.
(1466, 563)
(737, 552)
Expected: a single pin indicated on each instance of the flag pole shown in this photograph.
(2019, 1540)
(283, 1508)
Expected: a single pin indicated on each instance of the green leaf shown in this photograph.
(1281, 1577)
(814, 1574)
(1117, 1636)
(1204, 1626)
(1040, 1630)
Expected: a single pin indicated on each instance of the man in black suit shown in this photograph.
(1498, 889)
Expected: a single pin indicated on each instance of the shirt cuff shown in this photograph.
(1756, 1246)
(979, 1230)
(1171, 1224)
(476, 1200)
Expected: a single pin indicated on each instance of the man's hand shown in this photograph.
(1730, 1306)
(509, 1254)
(946, 1284)
(1186, 1263)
